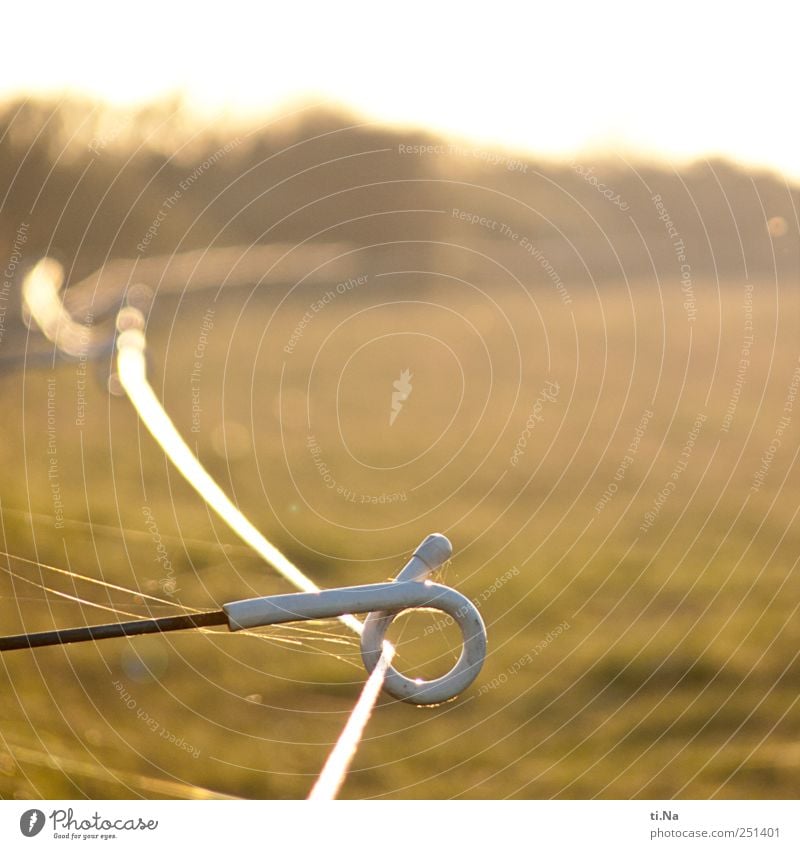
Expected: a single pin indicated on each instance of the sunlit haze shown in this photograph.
(683, 80)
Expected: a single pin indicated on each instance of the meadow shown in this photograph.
(599, 466)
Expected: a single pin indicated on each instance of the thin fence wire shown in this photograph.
(334, 773)
(131, 365)
(133, 376)
(310, 633)
(57, 324)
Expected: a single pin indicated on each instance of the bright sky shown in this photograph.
(679, 79)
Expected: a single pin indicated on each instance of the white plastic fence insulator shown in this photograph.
(383, 602)
(432, 553)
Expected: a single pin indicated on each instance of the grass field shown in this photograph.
(642, 644)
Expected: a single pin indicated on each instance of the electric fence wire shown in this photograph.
(131, 365)
(46, 308)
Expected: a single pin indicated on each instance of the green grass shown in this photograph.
(677, 675)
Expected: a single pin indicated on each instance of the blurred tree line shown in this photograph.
(91, 184)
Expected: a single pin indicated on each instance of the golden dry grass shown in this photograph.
(677, 675)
